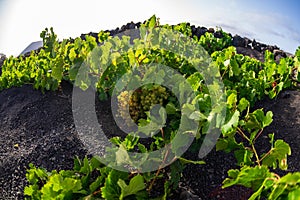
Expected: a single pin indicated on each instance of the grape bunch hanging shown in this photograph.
(140, 101)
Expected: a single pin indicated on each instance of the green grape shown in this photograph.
(140, 101)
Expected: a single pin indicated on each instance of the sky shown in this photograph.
(271, 22)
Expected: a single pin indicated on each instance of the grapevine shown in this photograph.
(246, 80)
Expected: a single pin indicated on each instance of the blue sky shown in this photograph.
(269, 21)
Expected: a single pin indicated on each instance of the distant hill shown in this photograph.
(33, 46)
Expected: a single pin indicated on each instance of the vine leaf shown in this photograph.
(278, 154)
(152, 22)
(232, 100)
(230, 125)
(136, 184)
(243, 156)
(258, 120)
(243, 104)
(251, 177)
(111, 189)
(57, 70)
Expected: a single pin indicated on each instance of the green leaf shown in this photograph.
(221, 144)
(154, 75)
(195, 80)
(257, 194)
(186, 161)
(57, 70)
(251, 177)
(142, 148)
(115, 140)
(136, 184)
(122, 156)
(158, 118)
(182, 139)
(228, 144)
(150, 128)
(131, 57)
(277, 191)
(291, 178)
(70, 184)
(133, 82)
(95, 163)
(167, 190)
(85, 168)
(253, 135)
(77, 164)
(294, 195)
(282, 67)
(235, 67)
(29, 190)
(230, 125)
(72, 54)
(272, 94)
(96, 184)
(278, 155)
(197, 116)
(170, 108)
(151, 22)
(232, 100)
(244, 157)
(111, 189)
(130, 142)
(74, 70)
(258, 120)
(267, 120)
(82, 78)
(243, 104)
(55, 183)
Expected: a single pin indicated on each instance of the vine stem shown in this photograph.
(158, 171)
(277, 79)
(256, 155)
(162, 133)
(277, 176)
(242, 134)
(225, 71)
(97, 192)
(152, 182)
(265, 155)
(260, 132)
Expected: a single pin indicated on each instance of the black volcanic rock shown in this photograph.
(256, 45)
(218, 34)
(247, 42)
(251, 53)
(2, 58)
(238, 41)
(278, 54)
(211, 30)
(138, 24)
(200, 31)
(193, 27)
(131, 25)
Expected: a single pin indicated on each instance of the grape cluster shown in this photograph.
(140, 101)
